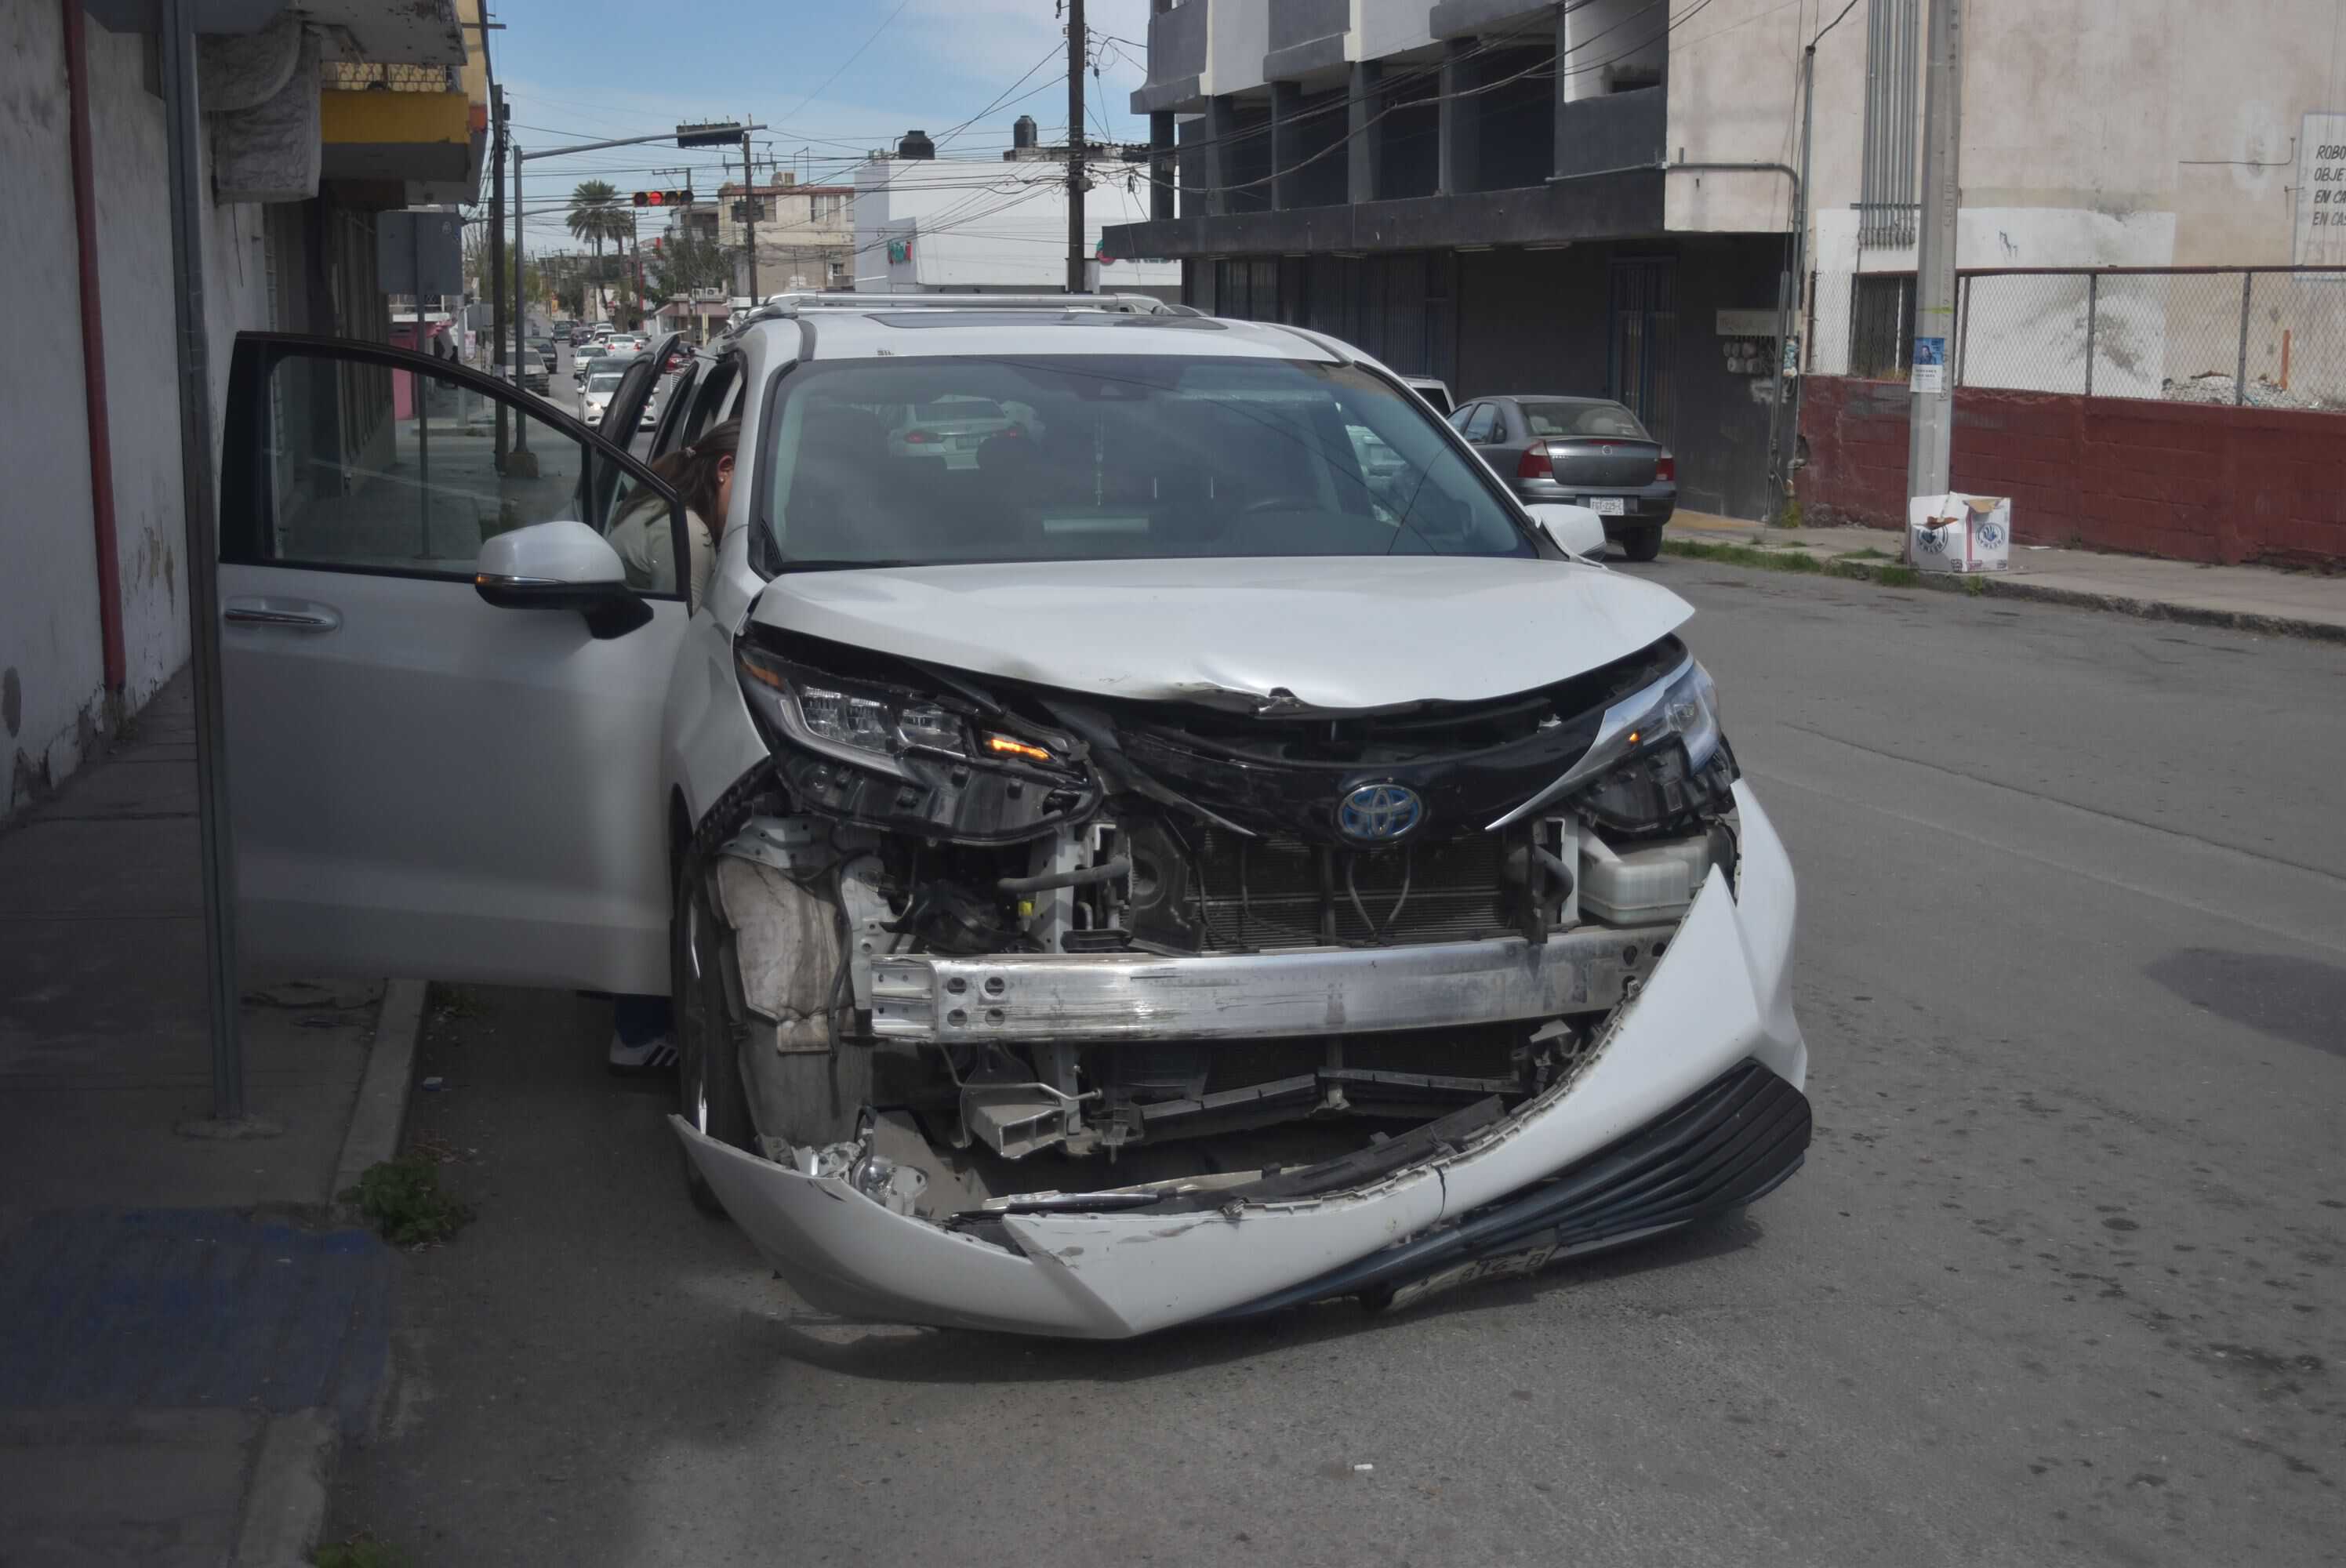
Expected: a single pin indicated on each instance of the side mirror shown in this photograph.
(560, 566)
(1577, 531)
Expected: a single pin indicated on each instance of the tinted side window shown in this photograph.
(715, 399)
(367, 465)
(360, 466)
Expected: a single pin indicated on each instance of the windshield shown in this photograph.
(1581, 419)
(602, 381)
(1089, 457)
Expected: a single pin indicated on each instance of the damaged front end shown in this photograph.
(1292, 1002)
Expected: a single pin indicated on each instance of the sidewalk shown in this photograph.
(2245, 598)
(186, 1333)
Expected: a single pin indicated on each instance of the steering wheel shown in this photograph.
(1282, 504)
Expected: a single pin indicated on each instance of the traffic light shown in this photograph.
(709, 133)
(663, 199)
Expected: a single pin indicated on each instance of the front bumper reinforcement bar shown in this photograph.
(939, 999)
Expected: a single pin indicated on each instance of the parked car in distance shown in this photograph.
(1583, 451)
(1436, 391)
(950, 430)
(529, 373)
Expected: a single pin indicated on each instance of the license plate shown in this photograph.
(1607, 505)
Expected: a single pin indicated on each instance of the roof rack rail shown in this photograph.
(788, 305)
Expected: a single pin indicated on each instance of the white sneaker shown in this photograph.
(649, 1057)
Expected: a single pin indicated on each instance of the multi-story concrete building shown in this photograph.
(1602, 197)
(806, 237)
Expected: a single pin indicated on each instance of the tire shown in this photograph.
(733, 1090)
(710, 1023)
(1642, 544)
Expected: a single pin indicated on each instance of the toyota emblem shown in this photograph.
(1379, 813)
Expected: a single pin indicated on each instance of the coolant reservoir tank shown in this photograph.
(1643, 885)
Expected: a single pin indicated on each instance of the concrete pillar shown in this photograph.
(1564, 29)
(1163, 170)
(1461, 119)
(1364, 171)
(1286, 145)
(1221, 155)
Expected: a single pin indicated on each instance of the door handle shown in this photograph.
(283, 614)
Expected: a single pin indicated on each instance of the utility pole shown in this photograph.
(497, 261)
(749, 217)
(520, 463)
(1078, 46)
(1932, 390)
(190, 199)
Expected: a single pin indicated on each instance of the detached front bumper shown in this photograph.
(1684, 1112)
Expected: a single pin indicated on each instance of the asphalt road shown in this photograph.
(2061, 1282)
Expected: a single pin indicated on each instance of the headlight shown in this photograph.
(1659, 757)
(871, 725)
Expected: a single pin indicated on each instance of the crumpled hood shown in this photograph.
(1337, 632)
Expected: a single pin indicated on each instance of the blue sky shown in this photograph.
(587, 70)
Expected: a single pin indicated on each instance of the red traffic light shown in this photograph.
(663, 199)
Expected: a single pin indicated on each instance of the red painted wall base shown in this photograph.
(2185, 481)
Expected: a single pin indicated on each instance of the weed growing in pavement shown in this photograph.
(455, 1001)
(402, 1199)
(1745, 555)
(1868, 554)
(1853, 565)
(358, 1551)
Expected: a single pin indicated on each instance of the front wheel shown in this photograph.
(1642, 544)
(710, 1023)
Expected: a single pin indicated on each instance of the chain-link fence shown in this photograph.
(2263, 336)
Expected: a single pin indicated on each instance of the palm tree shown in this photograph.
(593, 213)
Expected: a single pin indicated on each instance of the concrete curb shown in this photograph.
(381, 1114)
(285, 1502)
(285, 1497)
(1990, 585)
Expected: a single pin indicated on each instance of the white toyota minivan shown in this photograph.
(1136, 863)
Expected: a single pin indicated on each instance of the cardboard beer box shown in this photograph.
(1957, 533)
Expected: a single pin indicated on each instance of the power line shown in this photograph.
(1049, 55)
(849, 61)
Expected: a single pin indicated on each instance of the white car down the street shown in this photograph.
(1156, 867)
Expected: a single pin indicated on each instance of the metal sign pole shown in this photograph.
(183, 136)
(422, 388)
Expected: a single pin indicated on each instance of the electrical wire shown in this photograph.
(851, 58)
(1049, 57)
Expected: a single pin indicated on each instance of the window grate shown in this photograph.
(1881, 326)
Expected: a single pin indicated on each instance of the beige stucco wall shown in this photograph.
(2113, 120)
